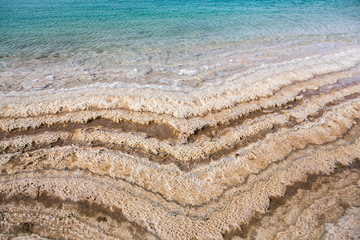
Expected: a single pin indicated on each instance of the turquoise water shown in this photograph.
(57, 28)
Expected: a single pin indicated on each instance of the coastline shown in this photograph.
(127, 161)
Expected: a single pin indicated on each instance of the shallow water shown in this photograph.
(165, 38)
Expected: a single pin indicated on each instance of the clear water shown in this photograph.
(170, 44)
(42, 28)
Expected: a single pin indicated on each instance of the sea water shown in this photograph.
(135, 38)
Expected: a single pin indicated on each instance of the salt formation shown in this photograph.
(265, 151)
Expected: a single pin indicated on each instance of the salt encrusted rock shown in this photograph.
(266, 153)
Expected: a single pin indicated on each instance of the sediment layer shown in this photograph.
(216, 162)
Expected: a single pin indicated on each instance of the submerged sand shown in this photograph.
(269, 150)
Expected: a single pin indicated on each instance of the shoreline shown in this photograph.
(121, 162)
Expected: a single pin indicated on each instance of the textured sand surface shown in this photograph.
(268, 151)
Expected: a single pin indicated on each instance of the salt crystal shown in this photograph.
(189, 72)
(50, 77)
